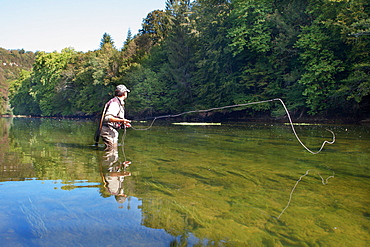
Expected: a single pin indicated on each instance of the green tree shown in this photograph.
(12, 62)
(21, 102)
(134, 52)
(157, 24)
(178, 69)
(251, 29)
(49, 83)
(106, 40)
(353, 19)
(252, 46)
(94, 81)
(320, 66)
(323, 56)
(215, 65)
(263, 35)
(128, 39)
(147, 96)
(314, 54)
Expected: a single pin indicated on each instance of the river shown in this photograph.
(234, 184)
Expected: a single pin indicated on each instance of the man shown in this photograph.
(114, 118)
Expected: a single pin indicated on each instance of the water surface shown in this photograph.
(186, 186)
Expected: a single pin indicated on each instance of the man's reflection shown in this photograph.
(113, 174)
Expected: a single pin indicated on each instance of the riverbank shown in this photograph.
(228, 117)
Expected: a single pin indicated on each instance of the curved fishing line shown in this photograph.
(201, 111)
(246, 104)
(123, 144)
(324, 182)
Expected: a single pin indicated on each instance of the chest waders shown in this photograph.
(98, 130)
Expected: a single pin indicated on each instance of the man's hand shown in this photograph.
(126, 122)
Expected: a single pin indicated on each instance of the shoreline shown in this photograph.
(243, 119)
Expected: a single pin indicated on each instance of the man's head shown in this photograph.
(121, 90)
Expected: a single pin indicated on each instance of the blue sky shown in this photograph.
(51, 25)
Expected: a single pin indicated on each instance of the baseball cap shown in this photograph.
(122, 88)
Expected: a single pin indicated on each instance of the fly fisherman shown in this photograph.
(113, 118)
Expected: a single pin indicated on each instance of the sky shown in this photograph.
(52, 25)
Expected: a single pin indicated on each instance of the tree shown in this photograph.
(251, 29)
(96, 73)
(148, 92)
(12, 62)
(178, 69)
(323, 55)
(21, 102)
(106, 40)
(320, 64)
(157, 25)
(49, 82)
(128, 38)
(206, 53)
(215, 66)
(353, 19)
(263, 35)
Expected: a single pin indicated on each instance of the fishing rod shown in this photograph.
(246, 104)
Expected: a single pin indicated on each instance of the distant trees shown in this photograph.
(201, 54)
(20, 97)
(12, 62)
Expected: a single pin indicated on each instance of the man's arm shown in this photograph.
(111, 112)
(118, 120)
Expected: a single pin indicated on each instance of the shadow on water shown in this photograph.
(182, 186)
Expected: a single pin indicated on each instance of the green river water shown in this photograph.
(234, 184)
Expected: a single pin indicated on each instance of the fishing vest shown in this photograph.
(101, 122)
(114, 125)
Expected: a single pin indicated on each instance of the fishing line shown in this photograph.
(246, 104)
(123, 144)
(324, 182)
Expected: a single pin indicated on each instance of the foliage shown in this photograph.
(49, 81)
(12, 62)
(354, 23)
(147, 94)
(251, 29)
(215, 65)
(157, 25)
(22, 101)
(106, 40)
(202, 54)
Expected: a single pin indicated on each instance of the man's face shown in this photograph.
(125, 95)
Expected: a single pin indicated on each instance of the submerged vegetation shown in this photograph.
(201, 54)
(223, 185)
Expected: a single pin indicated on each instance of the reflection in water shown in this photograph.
(113, 174)
(12, 165)
(188, 185)
(323, 181)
